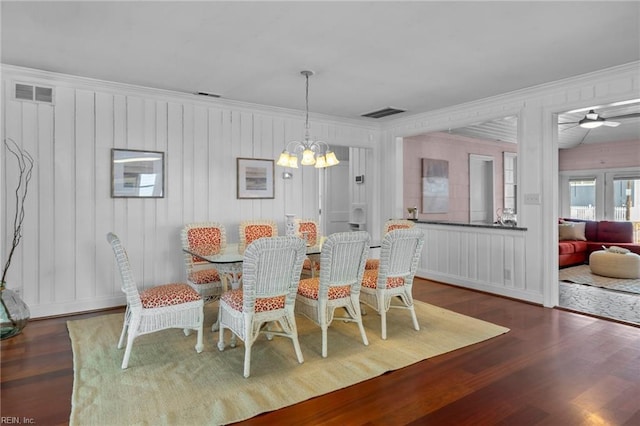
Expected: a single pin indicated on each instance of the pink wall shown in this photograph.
(600, 156)
(456, 150)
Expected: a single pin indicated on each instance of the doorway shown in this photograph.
(334, 194)
(480, 189)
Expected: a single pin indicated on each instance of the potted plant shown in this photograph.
(14, 312)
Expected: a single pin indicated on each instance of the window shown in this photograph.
(601, 195)
(582, 198)
(625, 195)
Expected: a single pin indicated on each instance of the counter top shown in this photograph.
(471, 225)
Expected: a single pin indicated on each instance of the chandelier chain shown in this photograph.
(307, 102)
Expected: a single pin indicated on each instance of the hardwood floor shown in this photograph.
(553, 368)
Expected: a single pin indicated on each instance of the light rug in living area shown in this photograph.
(167, 382)
(581, 274)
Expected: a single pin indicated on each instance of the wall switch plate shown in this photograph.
(532, 198)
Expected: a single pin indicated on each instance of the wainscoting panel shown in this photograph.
(487, 259)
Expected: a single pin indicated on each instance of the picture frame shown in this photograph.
(137, 173)
(435, 186)
(255, 177)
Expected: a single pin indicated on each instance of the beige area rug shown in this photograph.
(581, 274)
(168, 383)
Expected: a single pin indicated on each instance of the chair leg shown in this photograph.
(216, 325)
(383, 317)
(134, 323)
(414, 318)
(221, 331)
(221, 339)
(125, 326)
(247, 357)
(354, 312)
(292, 329)
(362, 332)
(199, 344)
(324, 340)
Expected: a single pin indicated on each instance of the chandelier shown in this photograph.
(314, 152)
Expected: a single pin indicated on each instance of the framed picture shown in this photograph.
(255, 178)
(435, 186)
(137, 174)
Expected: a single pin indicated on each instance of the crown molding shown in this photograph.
(79, 82)
(514, 100)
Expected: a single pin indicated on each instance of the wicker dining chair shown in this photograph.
(393, 280)
(251, 230)
(341, 269)
(206, 238)
(157, 308)
(389, 225)
(308, 230)
(270, 277)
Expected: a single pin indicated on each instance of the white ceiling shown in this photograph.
(414, 55)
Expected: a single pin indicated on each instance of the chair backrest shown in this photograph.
(308, 227)
(204, 237)
(399, 255)
(128, 282)
(393, 224)
(342, 261)
(271, 267)
(251, 230)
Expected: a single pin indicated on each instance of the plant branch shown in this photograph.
(25, 168)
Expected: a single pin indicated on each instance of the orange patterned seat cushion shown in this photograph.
(311, 230)
(397, 226)
(204, 276)
(168, 295)
(370, 280)
(233, 298)
(372, 264)
(254, 232)
(205, 241)
(309, 288)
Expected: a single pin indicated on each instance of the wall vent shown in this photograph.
(28, 92)
(384, 112)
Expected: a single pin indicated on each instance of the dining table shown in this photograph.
(228, 261)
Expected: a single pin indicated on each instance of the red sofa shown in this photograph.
(596, 234)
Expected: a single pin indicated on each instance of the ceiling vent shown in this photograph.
(212, 95)
(28, 92)
(385, 112)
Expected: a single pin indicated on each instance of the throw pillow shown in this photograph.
(571, 231)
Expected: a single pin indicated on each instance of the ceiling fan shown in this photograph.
(593, 120)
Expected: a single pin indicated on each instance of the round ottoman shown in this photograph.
(615, 265)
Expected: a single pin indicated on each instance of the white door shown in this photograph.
(480, 189)
(335, 213)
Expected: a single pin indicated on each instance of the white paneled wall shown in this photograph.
(64, 263)
(487, 259)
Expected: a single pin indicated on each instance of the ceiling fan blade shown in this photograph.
(568, 128)
(611, 123)
(618, 117)
(568, 122)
